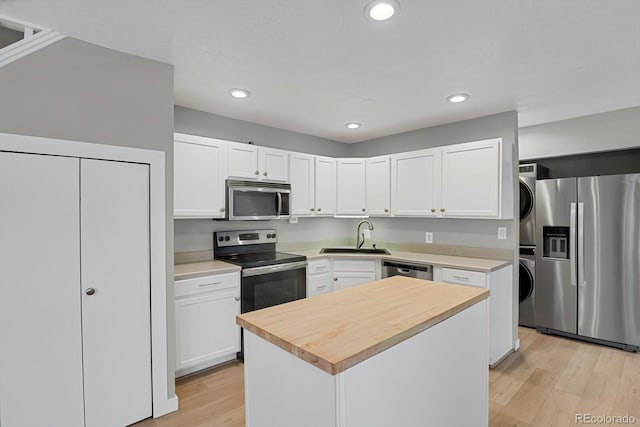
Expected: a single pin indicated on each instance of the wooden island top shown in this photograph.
(338, 330)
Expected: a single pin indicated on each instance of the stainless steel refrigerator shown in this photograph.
(588, 258)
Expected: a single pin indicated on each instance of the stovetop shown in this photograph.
(250, 260)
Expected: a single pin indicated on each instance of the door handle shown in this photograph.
(279, 203)
(574, 244)
(90, 291)
(581, 281)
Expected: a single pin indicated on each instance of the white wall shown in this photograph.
(615, 130)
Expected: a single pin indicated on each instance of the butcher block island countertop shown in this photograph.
(338, 330)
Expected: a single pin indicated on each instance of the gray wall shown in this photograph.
(196, 122)
(9, 36)
(614, 130)
(78, 91)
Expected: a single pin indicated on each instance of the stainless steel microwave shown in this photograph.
(250, 201)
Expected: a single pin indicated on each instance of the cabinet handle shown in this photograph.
(222, 209)
(204, 285)
(319, 209)
(322, 267)
(265, 173)
(442, 209)
(386, 210)
(257, 172)
(335, 279)
(433, 209)
(364, 210)
(321, 287)
(236, 298)
(90, 291)
(461, 278)
(312, 209)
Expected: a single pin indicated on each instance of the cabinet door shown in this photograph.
(116, 318)
(206, 327)
(415, 180)
(342, 280)
(273, 165)
(318, 284)
(242, 161)
(199, 171)
(350, 187)
(379, 186)
(325, 183)
(40, 336)
(302, 184)
(471, 179)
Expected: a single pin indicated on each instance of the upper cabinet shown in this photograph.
(415, 183)
(199, 172)
(471, 180)
(378, 188)
(351, 184)
(302, 169)
(249, 162)
(325, 186)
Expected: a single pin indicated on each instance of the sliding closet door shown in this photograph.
(40, 336)
(116, 316)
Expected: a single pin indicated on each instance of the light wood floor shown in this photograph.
(544, 384)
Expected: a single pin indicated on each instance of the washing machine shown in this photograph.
(529, 173)
(527, 293)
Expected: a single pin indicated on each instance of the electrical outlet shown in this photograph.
(367, 233)
(428, 237)
(502, 233)
(293, 220)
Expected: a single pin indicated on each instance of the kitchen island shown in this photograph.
(393, 352)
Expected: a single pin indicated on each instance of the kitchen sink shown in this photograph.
(353, 251)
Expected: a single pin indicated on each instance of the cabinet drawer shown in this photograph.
(319, 284)
(354, 265)
(318, 266)
(463, 277)
(207, 284)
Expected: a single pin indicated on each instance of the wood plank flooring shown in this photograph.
(546, 383)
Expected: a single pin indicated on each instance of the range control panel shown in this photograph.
(244, 237)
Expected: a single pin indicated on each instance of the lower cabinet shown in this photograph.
(499, 283)
(318, 277)
(206, 330)
(352, 272)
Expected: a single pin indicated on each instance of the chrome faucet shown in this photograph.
(358, 242)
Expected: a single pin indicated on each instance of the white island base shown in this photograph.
(438, 378)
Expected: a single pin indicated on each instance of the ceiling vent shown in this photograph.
(18, 39)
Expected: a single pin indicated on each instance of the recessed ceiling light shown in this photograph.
(381, 10)
(353, 125)
(457, 97)
(239, 93)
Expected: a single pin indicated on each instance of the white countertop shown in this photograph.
(202, 269)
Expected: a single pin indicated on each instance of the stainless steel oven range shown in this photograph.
(268, 277)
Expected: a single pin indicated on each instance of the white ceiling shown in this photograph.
(311, 66)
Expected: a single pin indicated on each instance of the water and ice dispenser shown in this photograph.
(555, 242)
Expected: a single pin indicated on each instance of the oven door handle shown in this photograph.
(255, 271)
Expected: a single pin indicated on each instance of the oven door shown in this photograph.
(272, 285)
(256, 203)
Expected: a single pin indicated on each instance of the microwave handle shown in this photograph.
(279, 203)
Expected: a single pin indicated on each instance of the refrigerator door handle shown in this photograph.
(573, 249)
(581, 281)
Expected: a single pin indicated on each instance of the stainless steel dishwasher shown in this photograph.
(390, 268)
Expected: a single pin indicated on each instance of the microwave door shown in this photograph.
(253, 204)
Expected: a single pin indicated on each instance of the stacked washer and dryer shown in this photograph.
(529, 174)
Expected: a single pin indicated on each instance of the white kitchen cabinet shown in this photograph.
(350, 187)
(318, 277)
(352, 272)
(472, 180)
(500, 285)
(302, 169)
(250, 162)
(325, 186)
(206, 331)
(199, 173)
(378, 187)
(242, 161)
(415, 183)
(80, 353)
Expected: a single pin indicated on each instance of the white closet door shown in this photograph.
(40, 337)
(116, 329)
